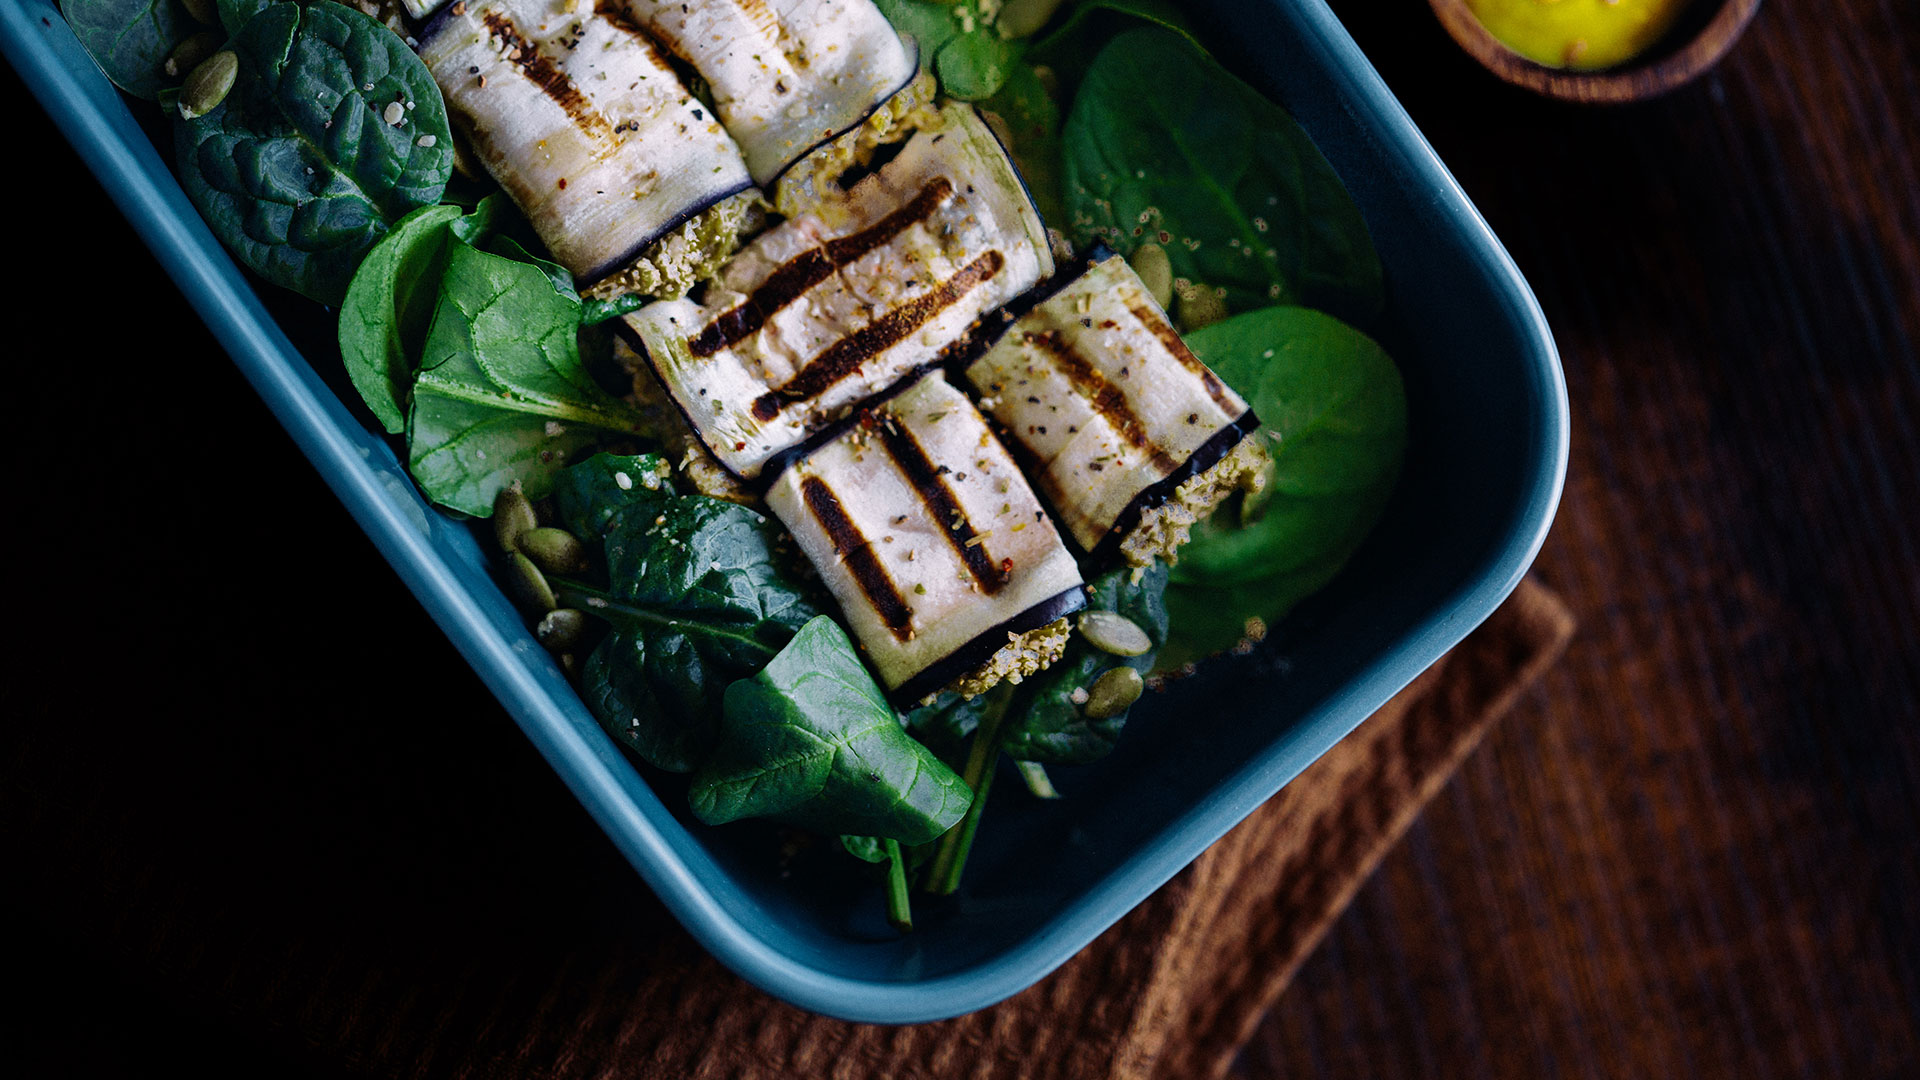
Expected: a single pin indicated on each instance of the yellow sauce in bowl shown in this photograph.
(1581, 34)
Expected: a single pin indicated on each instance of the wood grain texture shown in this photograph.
(1692, 852)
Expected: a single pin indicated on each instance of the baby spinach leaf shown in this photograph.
(1070, 47)
(591, 497)
(973, 65)
(501, 394)
(390, 303)
(873, 849)
(944, 724)
(696, 602)
(384, 318)
(958, 43)
(812, 741)
(866, 848)
(130, 40)
(298, 171)
(1334, 418)
(1044, 723)
(1215, 173)
(235, 13)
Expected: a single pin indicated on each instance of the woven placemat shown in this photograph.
(382, 966)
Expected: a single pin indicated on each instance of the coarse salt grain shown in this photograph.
(395, 112)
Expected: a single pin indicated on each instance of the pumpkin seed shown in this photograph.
(560, 629)
(192, 49)
(208, 84)
(1019, 18)
(554, 550)
(1150, 262)
(203, 11)
(1113, 693)
(1198, 307)
(528, 586)
(1117, 634)
(513, 517)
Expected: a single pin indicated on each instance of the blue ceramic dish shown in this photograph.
(1489, 419)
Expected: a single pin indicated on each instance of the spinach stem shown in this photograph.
(899, 908)
(951, 858)
(1038, 782)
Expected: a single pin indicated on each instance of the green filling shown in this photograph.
(907, 111)
(1022, 655)
(688, 255)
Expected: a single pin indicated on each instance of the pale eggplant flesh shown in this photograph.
(579, 117)
(922, 527)
(827, 309)
(786, 75)
(1114, 415)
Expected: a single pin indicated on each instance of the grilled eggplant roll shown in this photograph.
(787, 75)
(922, 527)
(1129, 436)
(824, 310)
(621, 171)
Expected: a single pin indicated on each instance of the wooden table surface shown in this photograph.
(1692, 852)
(1695, 851)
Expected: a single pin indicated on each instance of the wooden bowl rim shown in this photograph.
(1634, 82)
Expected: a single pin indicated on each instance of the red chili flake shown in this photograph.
(563, 183)
(1006, 566)
(739, 446)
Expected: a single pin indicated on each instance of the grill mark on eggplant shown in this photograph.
(845, 356)
(802, 272)
(1103, 397)
(545, 74)
(761, 17)
(854, 549)
(1170, 338)
(906, 452)
(617, 16)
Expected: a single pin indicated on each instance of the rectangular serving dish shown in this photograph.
(1488, 457)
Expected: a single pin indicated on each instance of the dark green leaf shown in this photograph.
(297, 171)
(384, 318)
(930, 24)
(1334, 419)
(594, 312)
(130, 40)
(944, 724)
(508, 248)
(697, 601)
(866, 848)
(1219, 176)
(1044, 723)
(501, 394)
(235, 13)
(592, 495)
(811, 741)
(1075, 40)
(956, 43)
(973, 66)
(873, 849)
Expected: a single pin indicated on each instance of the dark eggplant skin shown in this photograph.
(1209, 455)
(913, 72)
(976, 652)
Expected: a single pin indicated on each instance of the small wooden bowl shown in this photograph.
(1699, 38)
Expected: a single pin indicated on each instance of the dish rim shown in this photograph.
(311, 414)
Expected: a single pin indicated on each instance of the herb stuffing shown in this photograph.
(320, 149)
